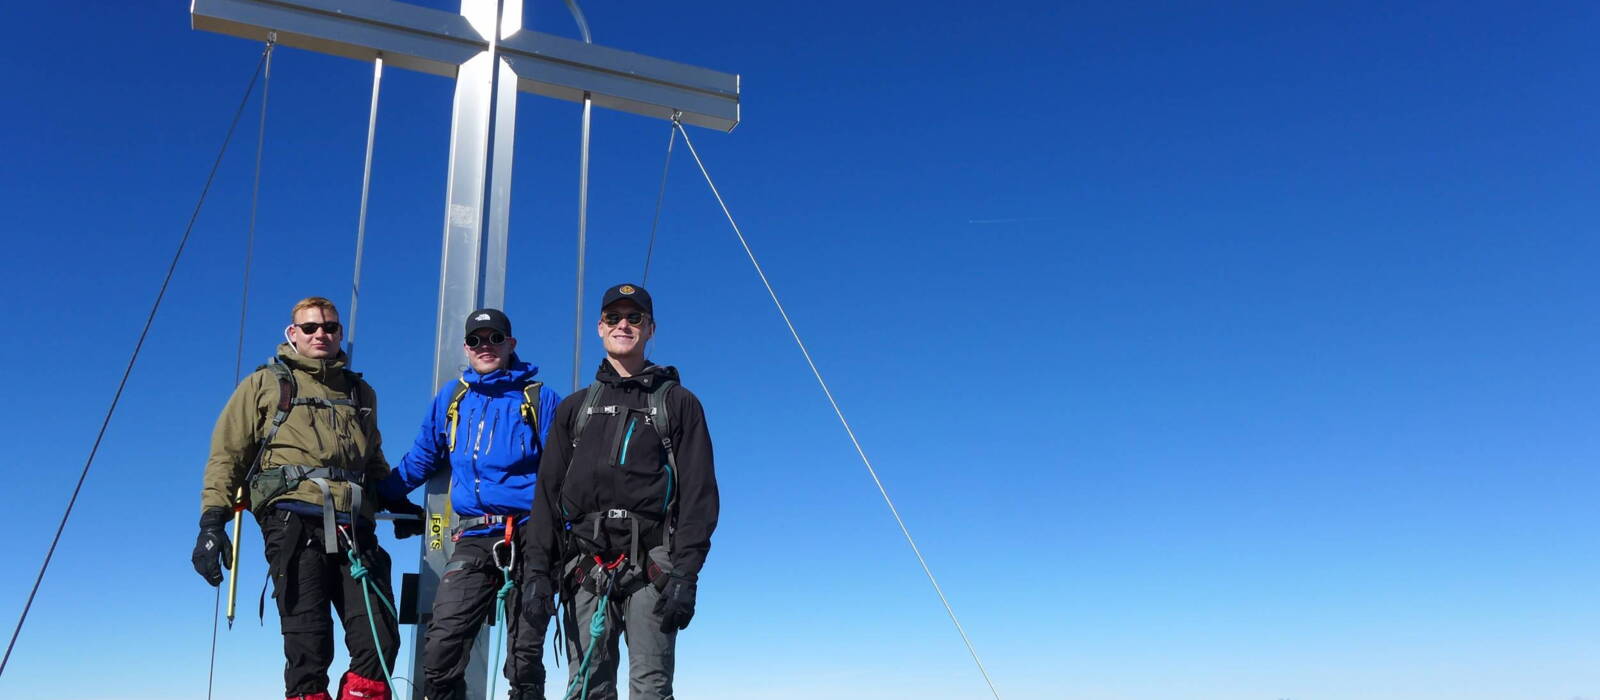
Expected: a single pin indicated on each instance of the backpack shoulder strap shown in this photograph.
(286, 393)
(530, 406)
(591, 399)
(453, 411)
(660, 414)
(356, 382)
(661, 418)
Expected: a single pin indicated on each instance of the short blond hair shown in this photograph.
(312, 303)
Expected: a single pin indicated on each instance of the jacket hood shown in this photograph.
(321, 369)
(651, 375)
(516, 375)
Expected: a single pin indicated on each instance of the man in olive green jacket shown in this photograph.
(298, 440)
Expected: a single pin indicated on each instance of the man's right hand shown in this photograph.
(408, 527)
(538, 599)
(212, 551)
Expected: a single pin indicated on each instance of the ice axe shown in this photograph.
(239, 505)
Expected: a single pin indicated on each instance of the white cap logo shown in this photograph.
(481, 317)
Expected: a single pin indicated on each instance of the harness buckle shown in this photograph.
(618, 514)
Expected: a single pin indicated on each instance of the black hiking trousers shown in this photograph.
(465, 601)
(306, 580)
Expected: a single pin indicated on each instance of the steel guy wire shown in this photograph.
(244, 307)
(672, 136)
(116, 397)
(840, 413)
(255, 201)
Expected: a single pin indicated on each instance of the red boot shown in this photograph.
(357, 687)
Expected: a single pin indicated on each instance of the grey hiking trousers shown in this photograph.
(650, 651)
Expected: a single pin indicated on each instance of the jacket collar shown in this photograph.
(321, 370)
(646, 378)
(517, 374)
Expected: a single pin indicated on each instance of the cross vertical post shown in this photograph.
(471, 275)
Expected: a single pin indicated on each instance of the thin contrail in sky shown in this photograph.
(1009, 221)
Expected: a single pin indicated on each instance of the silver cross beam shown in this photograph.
(431, 41)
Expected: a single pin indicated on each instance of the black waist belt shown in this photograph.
(586, 530)
(321, 476)
(477, 521)
(301, 471)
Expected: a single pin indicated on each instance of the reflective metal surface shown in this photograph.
(410, 36)
(428, 40)
(460, 270)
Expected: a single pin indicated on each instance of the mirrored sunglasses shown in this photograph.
(495, 338)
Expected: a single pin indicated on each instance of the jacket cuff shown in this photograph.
(214, 517)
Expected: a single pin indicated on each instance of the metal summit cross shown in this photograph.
(492, 57)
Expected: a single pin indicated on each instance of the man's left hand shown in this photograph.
(676, 606)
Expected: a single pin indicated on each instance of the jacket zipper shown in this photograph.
(622, 455)
(477, 443)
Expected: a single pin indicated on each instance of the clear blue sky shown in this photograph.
(1211, 351)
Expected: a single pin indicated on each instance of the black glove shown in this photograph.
(406, 527)
(211, 549)
(676, 606)
(538, 599)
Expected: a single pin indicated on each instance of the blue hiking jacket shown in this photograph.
(496, 458)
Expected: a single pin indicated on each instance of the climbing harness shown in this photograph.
(474, 522)
(116, 397)
(837, 411)
(509, 548)
(529, 409)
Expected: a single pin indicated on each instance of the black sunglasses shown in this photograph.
(613, 318)
(332, 327)
(495, 338)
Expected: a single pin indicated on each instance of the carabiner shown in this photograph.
(510, 548)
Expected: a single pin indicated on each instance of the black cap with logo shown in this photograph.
(493, 319)
(631, 292)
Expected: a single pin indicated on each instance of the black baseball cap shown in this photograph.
(631, 292)
(493, 319)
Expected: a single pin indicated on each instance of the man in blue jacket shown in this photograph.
(489, 429)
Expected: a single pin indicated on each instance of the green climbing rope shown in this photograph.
(597, 633)
(359, 572)
(500, 621)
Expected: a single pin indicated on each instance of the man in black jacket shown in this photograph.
(623, 512)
